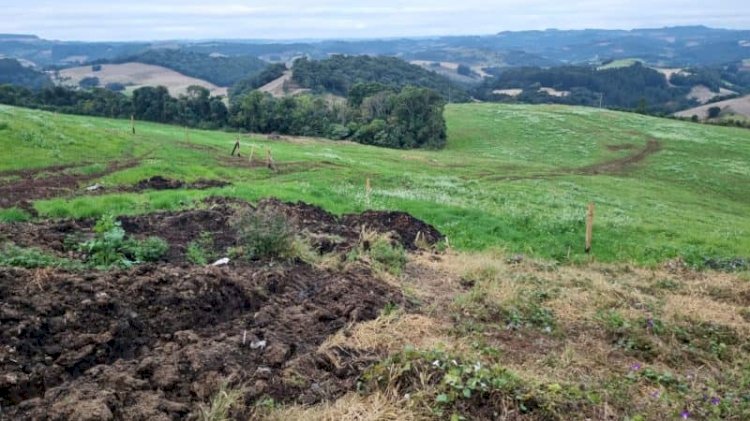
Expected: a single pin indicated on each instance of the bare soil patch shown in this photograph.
(59, 183)
(158, 182)
(153, 342)
(157, 340)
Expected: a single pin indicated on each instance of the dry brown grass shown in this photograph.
(579, 352)
(353, 407)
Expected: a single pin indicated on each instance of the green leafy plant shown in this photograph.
(109, 246)
(105, 249)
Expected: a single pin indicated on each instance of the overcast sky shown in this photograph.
(300, 19)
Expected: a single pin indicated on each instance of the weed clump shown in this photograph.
(451, 386)
(32, 258)
(200, 251)
(263, 234)
(380, 251)
(109, 246)
(221, 404)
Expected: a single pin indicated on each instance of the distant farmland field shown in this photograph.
(136, 75)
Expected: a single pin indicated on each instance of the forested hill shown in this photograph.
(633, 87)
(220, 70)
(339, 73)
(12, 72)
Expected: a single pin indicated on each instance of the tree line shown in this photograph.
(377, 114)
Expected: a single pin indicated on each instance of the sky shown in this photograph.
(89, 20)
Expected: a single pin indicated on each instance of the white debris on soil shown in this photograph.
(221, 262)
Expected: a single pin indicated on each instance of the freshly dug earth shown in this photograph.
(154, 342)
(214, 217)
(158, 182)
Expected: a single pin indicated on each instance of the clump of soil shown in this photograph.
(158, 182)
(154, 342)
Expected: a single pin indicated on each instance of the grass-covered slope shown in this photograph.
(513, 177)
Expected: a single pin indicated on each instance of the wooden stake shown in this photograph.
(368, 190)
(252, 154)
(589, 227)
(236, 148)
(132, 122)
(269, 160)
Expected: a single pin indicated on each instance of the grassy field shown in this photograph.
(617, 64)
(513, 177)
(137, 75)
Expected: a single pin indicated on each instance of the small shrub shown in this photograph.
(105, 249)
(4, 125)
(262, 234)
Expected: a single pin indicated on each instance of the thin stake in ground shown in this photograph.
(132, 123)
(589, 227)
(269, 160)
(368, 191)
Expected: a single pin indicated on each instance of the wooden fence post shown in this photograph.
(252, 154)
(132, 123)
(589, 227)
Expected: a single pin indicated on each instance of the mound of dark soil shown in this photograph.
(154, 342)
(158, 182)
(214, 218)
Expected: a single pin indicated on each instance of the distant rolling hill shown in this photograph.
(736, 106)
(136, 75)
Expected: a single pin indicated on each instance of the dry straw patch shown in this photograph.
(702, 309)
(389, 334)
(353, 407)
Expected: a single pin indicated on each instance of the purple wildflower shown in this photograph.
(685, 414)
(715, 400)
(635, 367)
(650, 323)
(655, 394)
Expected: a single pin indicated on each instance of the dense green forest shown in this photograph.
(408, 118)
(219, 70)
(339, 73)
(14, 73)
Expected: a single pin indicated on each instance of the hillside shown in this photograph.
(14, 72)
(326, 302)
(220, 70)
(337, 75)
(665, 47)
(134, 76)
(516, 177)
(736, 106)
